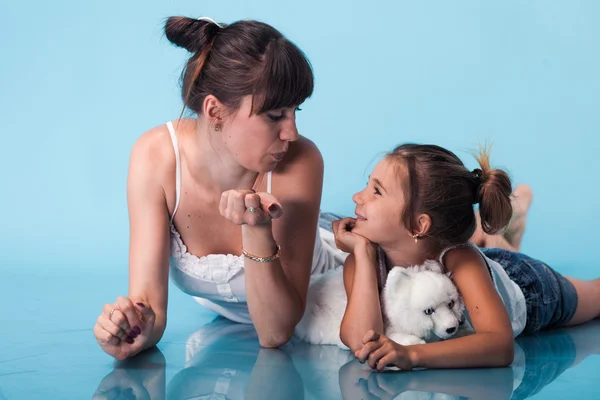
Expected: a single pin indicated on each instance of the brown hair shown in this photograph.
(440, 186)
(233, 61)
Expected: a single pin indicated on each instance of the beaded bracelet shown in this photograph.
(263, 259)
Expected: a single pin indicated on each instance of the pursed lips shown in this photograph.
(278, 156)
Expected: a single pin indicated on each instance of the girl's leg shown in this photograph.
(510, 239)
(588, 300)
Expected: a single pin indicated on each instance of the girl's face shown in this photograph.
(380, 206)
(259, 142)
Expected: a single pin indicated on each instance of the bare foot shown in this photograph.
(521, 200)
(510, 239)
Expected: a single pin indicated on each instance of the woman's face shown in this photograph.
(259, 142)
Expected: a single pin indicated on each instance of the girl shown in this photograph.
(418, 205)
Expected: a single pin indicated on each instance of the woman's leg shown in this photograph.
(510, 239)
(588, 300)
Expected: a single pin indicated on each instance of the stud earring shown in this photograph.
(416, 237)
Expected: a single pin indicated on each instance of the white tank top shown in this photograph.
(217, 280)
(511, 294)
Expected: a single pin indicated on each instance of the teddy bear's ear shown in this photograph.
(433, 266)
(397, 277)
(399, 273)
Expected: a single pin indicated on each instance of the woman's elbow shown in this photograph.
(506, 353)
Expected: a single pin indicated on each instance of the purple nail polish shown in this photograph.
(132, 334)
(141, 305)
(129, 340)
(137, 330)
(272, 207)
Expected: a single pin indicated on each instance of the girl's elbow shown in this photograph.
(274, 340)
(353, 343)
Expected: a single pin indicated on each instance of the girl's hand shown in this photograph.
(380, 352)
(124, 328)
(246, 207)
(345, 240)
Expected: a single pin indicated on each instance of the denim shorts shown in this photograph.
(551, 299)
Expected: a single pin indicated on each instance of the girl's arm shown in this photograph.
(363, 311)
(490, 346)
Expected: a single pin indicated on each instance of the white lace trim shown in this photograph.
(215, 268)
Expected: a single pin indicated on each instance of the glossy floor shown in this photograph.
(47, 351)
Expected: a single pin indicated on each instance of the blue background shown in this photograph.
(80, 81)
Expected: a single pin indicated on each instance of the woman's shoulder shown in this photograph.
(157, 142)
(153, 155)
(151, 143)
(303, 156)
(155, 146)
(300, 174)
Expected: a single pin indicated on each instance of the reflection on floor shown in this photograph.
(48, 352)
(224, 361)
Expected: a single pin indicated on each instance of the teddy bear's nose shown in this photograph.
(450, 331)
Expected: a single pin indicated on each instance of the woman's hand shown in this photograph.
(345, 239)
(124, 328)
(246, 207)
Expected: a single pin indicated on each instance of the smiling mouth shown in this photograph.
(360, 217)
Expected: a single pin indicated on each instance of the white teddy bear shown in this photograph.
(418, 302)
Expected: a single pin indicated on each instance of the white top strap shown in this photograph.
(269, 182)
(177, 168)
(447, 249)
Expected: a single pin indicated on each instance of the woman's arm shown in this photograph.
(135, 323)
(490, 346)
(149, 245)
(363, 311)
(276, 291)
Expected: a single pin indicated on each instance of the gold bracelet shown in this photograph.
(263, 259)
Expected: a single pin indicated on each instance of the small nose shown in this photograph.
(450, 331)
(357, 197)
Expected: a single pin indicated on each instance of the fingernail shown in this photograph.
(137, 330)
(132, 334)
(129, 340)
(273, 207)
(141, 305)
